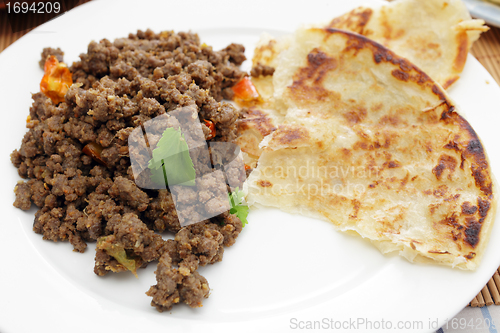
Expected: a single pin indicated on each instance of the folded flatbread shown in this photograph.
(372, 144)
(436, 35)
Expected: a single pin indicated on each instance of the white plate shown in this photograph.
(487, 11)
(283, 271)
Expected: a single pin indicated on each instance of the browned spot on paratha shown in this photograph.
(462, 50)
(445, 162)
(291, 135)
(354, 21)
(255, 118)
(265, 183)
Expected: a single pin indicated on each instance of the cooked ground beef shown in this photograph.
(48, 51)
(154, 56)
(262, 70)
(204, 242)
(175, 285)
(77, 158)
(130, 235)
(23, 196)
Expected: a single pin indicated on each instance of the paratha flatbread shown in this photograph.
(375, 146)
(436, 35)
(256, 123)
(261, 118)
(267, 53)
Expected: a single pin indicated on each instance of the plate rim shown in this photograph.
(53, 273)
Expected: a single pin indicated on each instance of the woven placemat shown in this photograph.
(486, 50)
(32, 20)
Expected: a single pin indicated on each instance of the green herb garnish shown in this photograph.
(118, 252)
(171, 160)
(238, 206)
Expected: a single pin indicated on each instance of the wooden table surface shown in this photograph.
(486, 50)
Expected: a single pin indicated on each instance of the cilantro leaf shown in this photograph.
(118, 252)
(238, 207)
(171, 163)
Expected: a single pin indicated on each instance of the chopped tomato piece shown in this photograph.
(245, 90)
(247, 167)
(56, 80)
(211, 127)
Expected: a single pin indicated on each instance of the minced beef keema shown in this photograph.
(85, 197)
